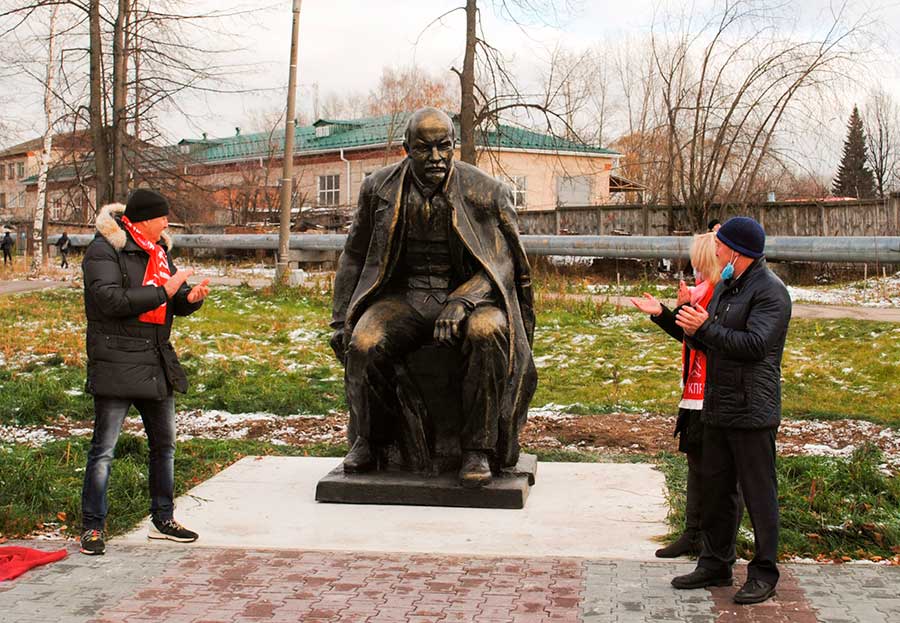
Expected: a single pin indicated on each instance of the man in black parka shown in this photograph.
(743, 335)
(132, 291)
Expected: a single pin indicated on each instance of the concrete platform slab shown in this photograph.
(590, 510)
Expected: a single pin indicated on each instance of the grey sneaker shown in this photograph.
(92, 543)
(171, 530)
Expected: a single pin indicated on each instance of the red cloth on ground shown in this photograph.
(14, 561)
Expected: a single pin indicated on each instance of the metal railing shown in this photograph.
(851, 249)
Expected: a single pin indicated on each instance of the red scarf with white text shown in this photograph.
(695, 384)
(157, 272)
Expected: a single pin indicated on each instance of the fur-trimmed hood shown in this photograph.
(110, 229)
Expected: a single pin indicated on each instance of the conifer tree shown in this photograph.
(854, 178)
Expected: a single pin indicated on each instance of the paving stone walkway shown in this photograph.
(190, 584)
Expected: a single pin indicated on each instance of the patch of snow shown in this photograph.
(28, 435)
(816, 449)
(619, 320)
(570, 260)
(552, 411)
(874, 292)
(304, 335)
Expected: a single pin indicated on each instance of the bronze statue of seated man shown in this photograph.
(433, 257)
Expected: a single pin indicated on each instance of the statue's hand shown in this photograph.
(449, 321)
(338, 344)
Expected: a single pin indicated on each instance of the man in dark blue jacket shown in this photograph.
(743, 335)
(132, 291)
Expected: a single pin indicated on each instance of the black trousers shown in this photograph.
(693, 512)
(733, 456)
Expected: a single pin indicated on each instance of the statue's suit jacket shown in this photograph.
(483, 219)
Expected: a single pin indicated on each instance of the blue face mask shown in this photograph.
(728, 271)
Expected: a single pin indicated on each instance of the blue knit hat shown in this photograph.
(744, 235)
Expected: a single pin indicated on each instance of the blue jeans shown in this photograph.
(159, 423)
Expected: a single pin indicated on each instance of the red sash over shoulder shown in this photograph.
(695, 384)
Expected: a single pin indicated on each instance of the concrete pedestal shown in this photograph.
(400, 487)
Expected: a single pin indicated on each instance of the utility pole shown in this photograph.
(287, 177)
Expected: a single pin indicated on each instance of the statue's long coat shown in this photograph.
(484, 220)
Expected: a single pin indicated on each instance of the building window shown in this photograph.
(2, 172)
(56, 209)
(22, 199)
(519, 185)
(2, 201)
(21, 170)
(11, 169)
(329, 190)
(573, 191)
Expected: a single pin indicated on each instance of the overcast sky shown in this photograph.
(344, 44)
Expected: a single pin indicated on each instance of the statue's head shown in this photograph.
(429, 141)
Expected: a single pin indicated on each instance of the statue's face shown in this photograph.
(431, 150)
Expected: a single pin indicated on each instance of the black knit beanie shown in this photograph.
(744, 235)
(144, 204)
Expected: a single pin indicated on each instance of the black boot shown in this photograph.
(701, 578)
(688, 543)
(754, 591)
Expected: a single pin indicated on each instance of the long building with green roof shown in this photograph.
(332, 157)
(235, 180)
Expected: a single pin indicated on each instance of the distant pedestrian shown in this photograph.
(64, 244)
(688, 427)
(132, 290)
(713, 226)
(743, 334)
(7, 245)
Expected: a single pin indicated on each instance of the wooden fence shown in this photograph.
(879, 217)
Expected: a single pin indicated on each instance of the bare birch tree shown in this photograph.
(39, 231)
(119, 98)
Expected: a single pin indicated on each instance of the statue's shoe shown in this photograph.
(475, 471)
(360, 458)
